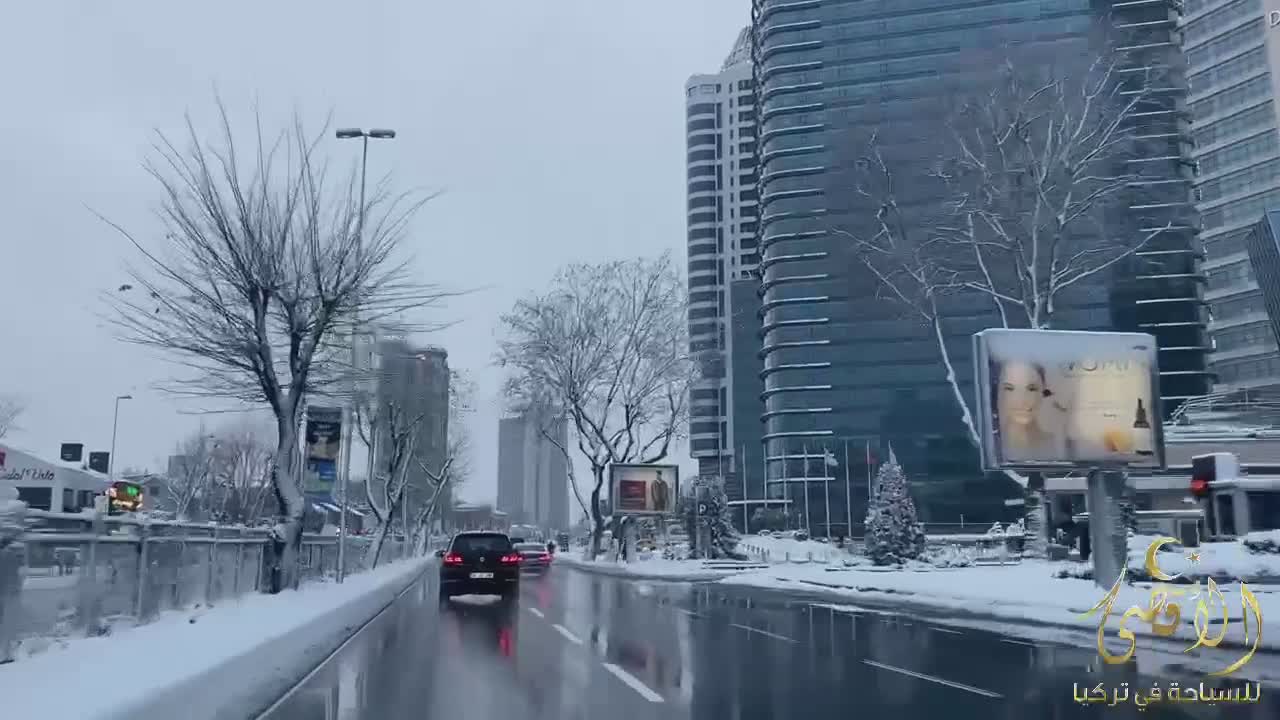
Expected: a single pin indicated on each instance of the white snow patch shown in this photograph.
(654, 568)
(231, 660)
(1217, 560)
(1024, 592)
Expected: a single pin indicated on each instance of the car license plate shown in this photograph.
(481, 576)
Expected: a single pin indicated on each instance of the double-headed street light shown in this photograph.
(344, 481)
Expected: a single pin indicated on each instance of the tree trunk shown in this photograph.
(287, 534)
(597, 519)
(375, 550)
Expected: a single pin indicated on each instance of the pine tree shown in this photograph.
(893, 534)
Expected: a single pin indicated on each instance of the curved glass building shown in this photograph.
(849, 377)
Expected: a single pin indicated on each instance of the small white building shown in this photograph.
(50, 484)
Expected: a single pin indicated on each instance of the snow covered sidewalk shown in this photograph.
(657, 568)
(231, 660)
(1026, 592)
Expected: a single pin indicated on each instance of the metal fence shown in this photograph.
(81, 574)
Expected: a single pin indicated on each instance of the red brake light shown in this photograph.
(453, 559)
(511, 559)
(546, 557)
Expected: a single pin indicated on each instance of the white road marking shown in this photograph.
(536, 612)
(946, 630)
(930, 678)
(762, 632)
(567, 635)
(633, 682)
(690, 613)
(1018, 642)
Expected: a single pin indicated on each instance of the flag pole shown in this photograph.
(826, 485)
(848, 496)
(805, 475)
(742, 467)
(868, 473)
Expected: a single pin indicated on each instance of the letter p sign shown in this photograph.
(1273, 18)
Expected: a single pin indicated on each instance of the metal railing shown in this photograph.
(85, 574)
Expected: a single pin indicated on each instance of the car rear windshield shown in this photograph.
(530, 547)
(481, 543)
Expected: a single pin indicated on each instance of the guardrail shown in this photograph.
(84, 574)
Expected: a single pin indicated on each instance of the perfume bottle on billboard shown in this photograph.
(1141, 431)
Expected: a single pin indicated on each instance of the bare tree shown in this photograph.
(1035, 189)
(242, 473)
(385, 491)
(189, 484)
(608, 344)
(445, 474)
(263, 259)
(10, 409)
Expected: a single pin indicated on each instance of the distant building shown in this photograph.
(533, 478)
(1262, 242)
(415, 381)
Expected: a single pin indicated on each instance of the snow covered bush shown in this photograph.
(1264, 542)
(893, 534)
(12, 515)
(952, 556)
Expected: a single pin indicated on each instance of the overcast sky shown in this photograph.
(555, 130)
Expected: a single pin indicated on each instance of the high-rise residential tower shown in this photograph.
(722, 218)
(845, 375)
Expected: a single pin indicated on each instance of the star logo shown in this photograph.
(1194, 557)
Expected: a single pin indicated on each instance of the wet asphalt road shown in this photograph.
(579, 646)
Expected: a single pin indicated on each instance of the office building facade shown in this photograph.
(533, 477)
(846, 374)
(1232, 66)
(1263, 246)
(722, 218)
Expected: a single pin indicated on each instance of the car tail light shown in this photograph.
(512, 559)
(453, 559)
(546, 557)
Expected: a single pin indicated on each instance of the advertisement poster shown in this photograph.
(644, 489)
(323, 446)
(1055, 398)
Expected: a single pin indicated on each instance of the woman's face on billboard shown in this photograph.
(1020, 393)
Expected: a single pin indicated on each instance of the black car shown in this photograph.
(479, 563)
(534, 557)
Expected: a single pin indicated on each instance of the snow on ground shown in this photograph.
(785, 549)
(653, 567)
(1217, 560)
(1025, 592)
(199, 663)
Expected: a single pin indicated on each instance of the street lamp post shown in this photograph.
(344, 477)
(115, 425)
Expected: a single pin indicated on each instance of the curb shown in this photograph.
(925, 609)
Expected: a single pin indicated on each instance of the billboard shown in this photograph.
(1062, 399)
(323, 447)
(644, 489)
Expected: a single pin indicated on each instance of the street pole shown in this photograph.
(826, 487)
(742, 468)
(805, 473)
(115, 425)
(344, 478)
(848, 494)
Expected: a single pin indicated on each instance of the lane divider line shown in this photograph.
(946, 630)
(930, 678)
(567, 635)
(633, 682)
(690, 613)
(536, 612)
(766, 633)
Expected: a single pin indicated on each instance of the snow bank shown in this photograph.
(1218, 560)
(1025, 592)
(229, 661)
(656, 568)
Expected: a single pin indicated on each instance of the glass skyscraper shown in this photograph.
(847, 376)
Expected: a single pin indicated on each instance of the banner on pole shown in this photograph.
(323, 447)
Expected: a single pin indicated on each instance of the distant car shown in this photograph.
(534, 558)
(765, 533)
(479, 563)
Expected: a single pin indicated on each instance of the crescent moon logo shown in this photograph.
(1152, 565)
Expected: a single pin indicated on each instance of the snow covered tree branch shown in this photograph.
(385, 491)
(262, 259)
(11, 409)
(608, 346)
